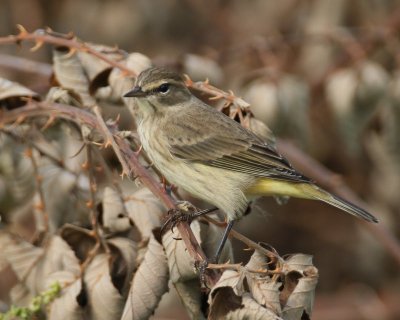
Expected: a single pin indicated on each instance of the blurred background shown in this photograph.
(323, 75)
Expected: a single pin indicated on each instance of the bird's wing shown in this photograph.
(216, 140)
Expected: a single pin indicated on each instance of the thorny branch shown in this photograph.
(82, 117)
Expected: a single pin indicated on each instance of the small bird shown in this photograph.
(213, 157)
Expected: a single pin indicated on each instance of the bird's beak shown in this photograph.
(135, 92)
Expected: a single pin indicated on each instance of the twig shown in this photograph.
(41, 36)
(109, 141)
(250, 243)
(88, 166)
(239, 267)
(42, 206)
(79, 116)
(25, 65)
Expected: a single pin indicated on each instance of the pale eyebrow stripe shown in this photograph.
(156, 84)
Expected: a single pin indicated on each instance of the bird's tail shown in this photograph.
(307, 191)
(342, 204)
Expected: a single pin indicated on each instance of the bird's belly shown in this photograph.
(220, 187)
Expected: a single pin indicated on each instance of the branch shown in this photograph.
(82, 117)
(43, 36)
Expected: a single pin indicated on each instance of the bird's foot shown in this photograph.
(185, 211)
(180, 214)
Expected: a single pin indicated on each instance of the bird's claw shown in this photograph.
(175, 216)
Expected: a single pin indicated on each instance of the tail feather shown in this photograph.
(342, 204)
(273, 187)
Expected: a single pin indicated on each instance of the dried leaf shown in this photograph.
(79, 239)
(58, 185)
(66, 306)
(146, 211)
(180, 263)
(293, 100)
(149, 283)
(60, 95)
(114, 217)
(13, 95)
(105, 302)
(124, 262)
(21, 255)
(120, 83)
(301, 278)
(354, 95)
(230, 279)
(96, 69)
(190, 295)
(251, 310)
(263, 98)
(265, 291)
(200, 68)
(70, 75)
(297, 262)
(17, 176)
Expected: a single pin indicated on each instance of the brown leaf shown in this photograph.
(79, 239)
(251, 310)
(149, 283)
(123, 262)
(180, 263)
(66, 306)
(70, 75)
(265, 292)
(96, 69)
(190, 294)
(13, 94)
(114, 218)
(105, 302)
(119, 83)
(146, 212)
(230, 279)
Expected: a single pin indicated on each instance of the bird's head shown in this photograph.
(157, 89)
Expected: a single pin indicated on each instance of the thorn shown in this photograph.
(99, 144)
(89, 204)
(39, 206)
(137, 153)
(93, 187)
(22, 30)
(28, 152)
(37, 46)
(216, 97)
(123, 174)
(85, 165)
(48, 123)
(108, 143)
(188, 81)
(70, 53)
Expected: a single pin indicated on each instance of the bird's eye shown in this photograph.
(164, 88)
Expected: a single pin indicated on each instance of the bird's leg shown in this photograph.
(223, 241)
(179, 214)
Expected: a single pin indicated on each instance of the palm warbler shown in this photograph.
(212, 156)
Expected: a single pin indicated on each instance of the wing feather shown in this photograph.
(223, 143)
